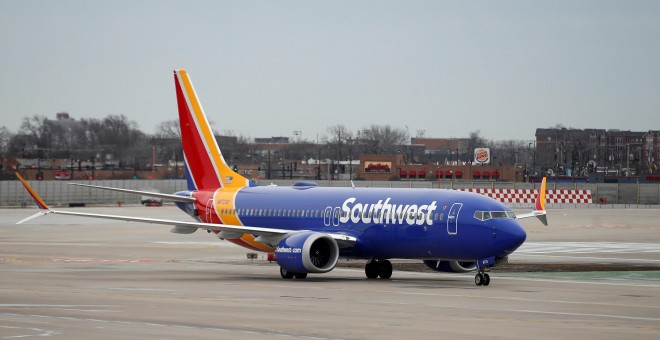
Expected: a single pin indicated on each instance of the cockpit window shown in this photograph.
(487, 215)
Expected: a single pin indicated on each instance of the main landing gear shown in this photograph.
(378, 268)
(289, 275)
(482, 279)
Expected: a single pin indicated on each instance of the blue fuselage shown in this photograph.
(388, 223)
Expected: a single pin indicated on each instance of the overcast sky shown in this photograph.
(267, 68)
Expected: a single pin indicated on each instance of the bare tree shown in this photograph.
(114, 135)
(475, 141)
(337, 139)
(380, 139)
(40, 136)
(169, 129)
(509, 152)
(5, 137)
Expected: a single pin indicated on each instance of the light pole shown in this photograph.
(318, 166)
(38, 162)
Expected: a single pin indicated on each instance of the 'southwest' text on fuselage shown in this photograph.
(386, 213)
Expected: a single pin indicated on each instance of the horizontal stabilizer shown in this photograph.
(39, 214)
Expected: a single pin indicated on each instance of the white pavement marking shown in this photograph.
(595, 258)
(39, 332)
(172, 325)
(588, 247)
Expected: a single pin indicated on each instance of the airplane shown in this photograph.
(309, 228)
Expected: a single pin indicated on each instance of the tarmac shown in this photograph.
(79, 278)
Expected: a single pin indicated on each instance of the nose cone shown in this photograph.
(510, 237)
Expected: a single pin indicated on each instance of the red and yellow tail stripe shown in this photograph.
(225, 209)
(207, 167)
(42, 205)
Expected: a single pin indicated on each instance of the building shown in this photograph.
(444, 150)
(393, 167)
(578, 152)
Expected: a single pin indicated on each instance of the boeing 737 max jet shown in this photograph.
(309, 228)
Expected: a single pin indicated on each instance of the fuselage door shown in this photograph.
(452, 218)
(327, 216)
(335, 216)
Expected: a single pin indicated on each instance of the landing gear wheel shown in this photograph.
(486, 279)
(372, 269)
(285, 273)
(479, 279)
(300, 276)
(385, 270)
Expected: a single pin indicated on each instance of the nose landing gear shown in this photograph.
(482, 278)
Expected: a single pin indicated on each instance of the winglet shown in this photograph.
(40, 203)
(540, 199)
(539, 206)
(44, 209)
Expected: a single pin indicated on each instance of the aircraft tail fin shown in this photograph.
(205, 166)
(539, 206)
(43, 208)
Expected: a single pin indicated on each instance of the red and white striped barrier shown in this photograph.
(529, 196)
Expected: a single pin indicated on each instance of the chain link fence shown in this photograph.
(59, 193)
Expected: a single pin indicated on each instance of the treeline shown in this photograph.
(113, 137)
(118, 140)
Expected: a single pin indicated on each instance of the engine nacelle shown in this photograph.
(308, 252)
(451, 266)
(179, 229)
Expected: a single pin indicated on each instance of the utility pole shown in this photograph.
(318, 166)
(268, 172)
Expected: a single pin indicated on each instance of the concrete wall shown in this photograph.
(58, 193)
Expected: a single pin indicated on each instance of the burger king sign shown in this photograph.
(482, 156)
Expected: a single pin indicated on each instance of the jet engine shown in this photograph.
(308, 252)
(451, 266)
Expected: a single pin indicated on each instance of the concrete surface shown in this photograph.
(75, 278)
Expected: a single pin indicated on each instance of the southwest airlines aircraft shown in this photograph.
(309, 228)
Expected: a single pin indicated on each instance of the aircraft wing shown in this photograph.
(539, 207)
(267, 235)
(168, 197)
